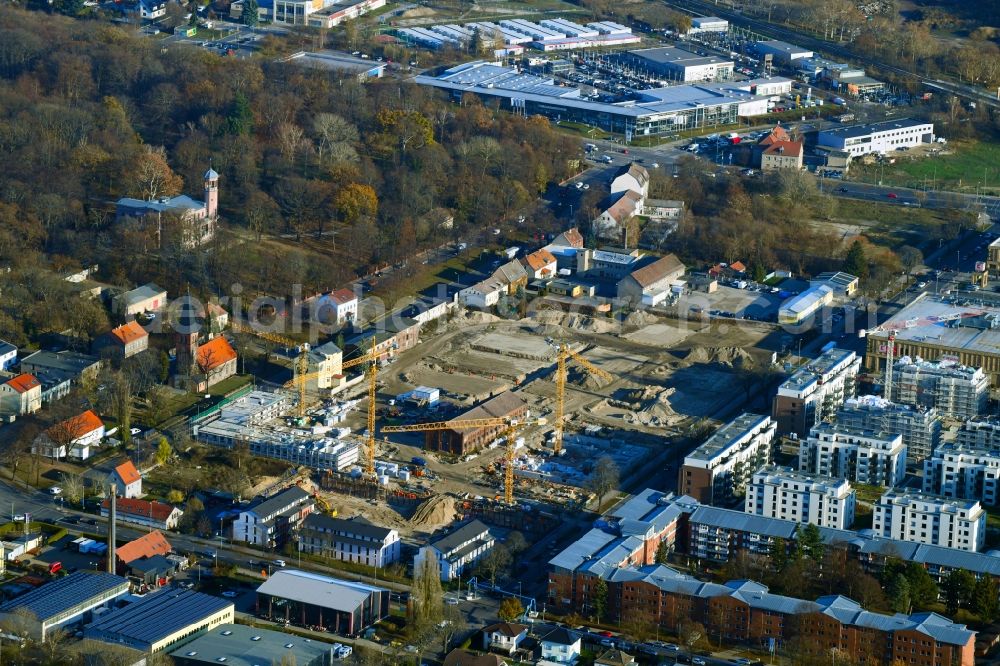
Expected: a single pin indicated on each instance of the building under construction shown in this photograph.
(256, 421)
(955, 390)
(932, 328)
(462, 441)
(920, 427)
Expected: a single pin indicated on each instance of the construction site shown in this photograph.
(500, 419)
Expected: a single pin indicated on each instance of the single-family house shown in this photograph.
(631, 177)
(147, 298)
(8, 355)
(504, 637)
(651, 284)
(146, 513)
(127, 480)
(561, 645)
(151, 9)
(218, 318)
(569, 238)
(513, 275)
(337, 307)
(614, 657)
(71, 438)
(457, 551)
(21, 395)
(777, 150)
(618, 209)
(148, 545)
(483, 294)
(540, 264)
(429, 308)
(326, 361)
(663, 209)
(123, 342)
(460, 657)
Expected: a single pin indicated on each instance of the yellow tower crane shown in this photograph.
(301, 363)
(510, 423)
(371, 358)
(565, 353)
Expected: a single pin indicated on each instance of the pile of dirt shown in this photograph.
(419, 12)
(591, 324)
(434, 512)
(640, 318)
(733, 357)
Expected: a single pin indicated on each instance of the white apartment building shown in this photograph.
(955, 390)
(457, 551)
(718, 471)
(815, 391)
(964, 471)
(862, 456)
(269, 522)
(883, 137)
(929, 519)
(355, 540)
(920, 427)
(782, 492)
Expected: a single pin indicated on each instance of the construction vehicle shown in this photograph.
(511, 425)
(301, 362)
(566, 353)
(371, 358)
(325, 506)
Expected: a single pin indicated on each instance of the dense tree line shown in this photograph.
(94, 112)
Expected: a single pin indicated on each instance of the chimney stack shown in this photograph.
(112, 517)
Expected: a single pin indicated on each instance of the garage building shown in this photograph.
(341, 606)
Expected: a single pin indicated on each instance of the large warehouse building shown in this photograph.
(240, 645)
(162, 619)
(65, 600)
(659, 111)
(680, 65)
(934, 328)
(343, 607)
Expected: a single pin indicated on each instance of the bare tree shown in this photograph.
(604, 478)
(73, 488)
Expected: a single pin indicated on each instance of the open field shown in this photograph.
(961, 166)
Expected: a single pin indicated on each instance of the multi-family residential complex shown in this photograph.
(815, 391)
(782, 492)
(920, 427)
(863, 456)
(269, 522)
(955, 390)
(457, 551)
(923, 518)
(964, 471)
(718, 471)
(354, 540)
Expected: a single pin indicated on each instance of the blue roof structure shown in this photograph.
(155, 617)
(64, 594)
(180, 203)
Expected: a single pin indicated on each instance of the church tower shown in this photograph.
(211, 193)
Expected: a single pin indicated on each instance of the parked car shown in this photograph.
(279, 563)
(230, 594)
(343, 652)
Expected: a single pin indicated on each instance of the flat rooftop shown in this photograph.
(671, 55)
(334, 60)
(777, 474)
(949, 323)
(487, 79)
(156, 616)
(240, 645)
(864, 130)
(730, 435)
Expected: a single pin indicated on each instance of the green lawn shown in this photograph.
(971, 164)
(868, 493)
